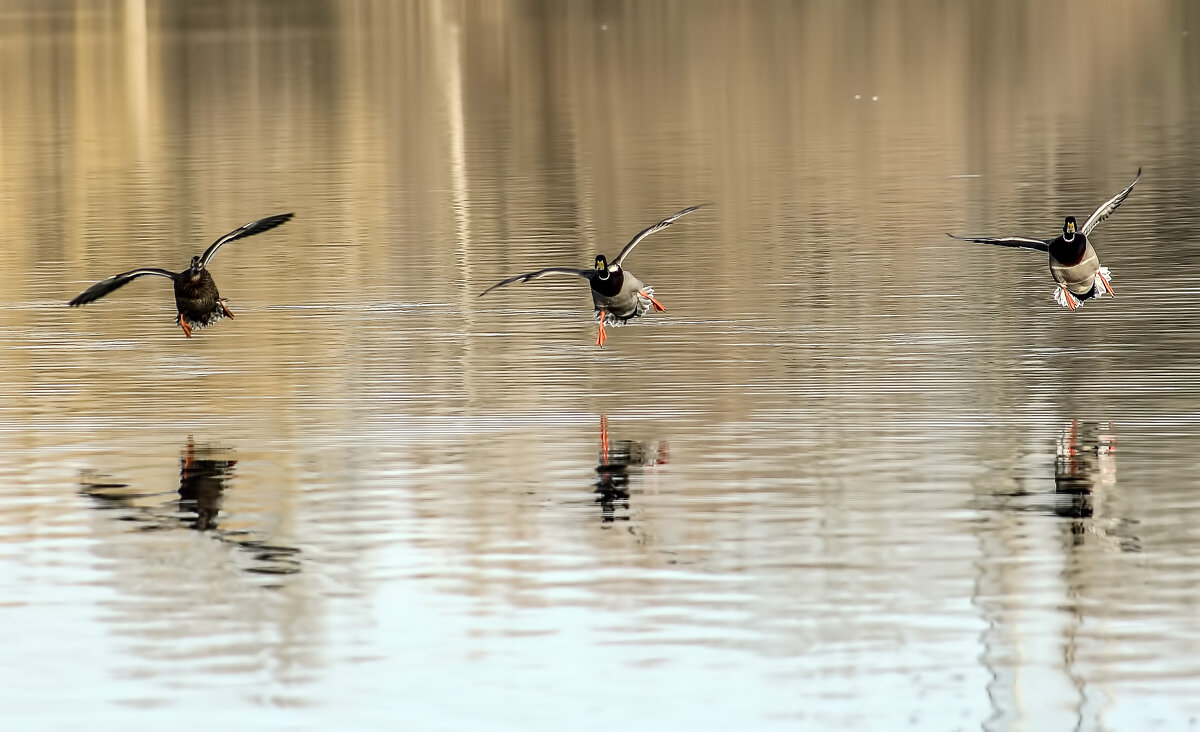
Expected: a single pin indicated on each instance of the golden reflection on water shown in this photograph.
(848, 398)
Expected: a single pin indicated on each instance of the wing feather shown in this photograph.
(103, 287)
(1106, 209)
(584, 273)
(1020, 242)
(250, 229)
(650, 230)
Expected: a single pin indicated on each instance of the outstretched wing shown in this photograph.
(1107, 208)
(650, 230)
(1020, 242)
(103, 287)
(250, 229)
(584, 273)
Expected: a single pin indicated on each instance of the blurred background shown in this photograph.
(857, 474)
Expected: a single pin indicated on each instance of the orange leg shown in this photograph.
(226, 309)
(601, 337)
(657, 305)
(1070, 299)
(1107, 287)
(187, 329)
(604, 439)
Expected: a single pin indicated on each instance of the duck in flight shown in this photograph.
(1074, 263)
(196, 295)
(617, 295)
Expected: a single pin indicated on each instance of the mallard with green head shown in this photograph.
(617, 295)
(1074, 264)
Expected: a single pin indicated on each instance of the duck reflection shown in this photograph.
(617, 458)
(1085, 468)
(204, 473)
(202, 479)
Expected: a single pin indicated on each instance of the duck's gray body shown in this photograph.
(631, 298)
(617, 295)
(1080, 277)
(1074, 264)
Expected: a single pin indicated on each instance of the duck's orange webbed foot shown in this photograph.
(657, 305)
(1068, 298)
(601, 337)
(187, 329)
(225, 308)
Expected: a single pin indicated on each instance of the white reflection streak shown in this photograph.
(450, 61)
(137, 71)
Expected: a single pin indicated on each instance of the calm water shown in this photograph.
(857, 475)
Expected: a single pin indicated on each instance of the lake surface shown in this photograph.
(857, 475)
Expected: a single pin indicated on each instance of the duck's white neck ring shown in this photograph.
(1068, 236)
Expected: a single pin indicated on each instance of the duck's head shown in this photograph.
(196, 267)
(604, 268)
(1069, 228)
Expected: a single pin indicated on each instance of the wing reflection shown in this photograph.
(203, 475)
(617, 458)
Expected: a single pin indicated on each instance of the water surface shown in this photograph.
(858, 474)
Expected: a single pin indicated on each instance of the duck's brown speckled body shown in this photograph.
(197, 299)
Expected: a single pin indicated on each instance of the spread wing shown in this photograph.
(650, 230)
(587, 274)
(1020, 242)
(250, 229)
(103, 287)
(1107, 208)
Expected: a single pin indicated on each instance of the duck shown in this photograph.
(197, 300)
(1074, 264)
(617, 295)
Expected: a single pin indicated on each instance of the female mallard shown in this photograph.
(196, 295)
(1073, 262)
(616, 294)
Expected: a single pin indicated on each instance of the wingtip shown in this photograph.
(689, 209)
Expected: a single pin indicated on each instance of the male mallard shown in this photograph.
(616, 294)
(1073, 262)
(196, 295)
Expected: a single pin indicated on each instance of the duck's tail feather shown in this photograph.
(1066, 298)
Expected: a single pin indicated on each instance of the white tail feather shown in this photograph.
(643, 306)
(1102, 279)
(1060, 296)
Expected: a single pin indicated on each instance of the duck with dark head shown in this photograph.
(197, 300)
(617, 295)
(1074, 264)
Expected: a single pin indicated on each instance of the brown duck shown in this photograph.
(196, 296)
